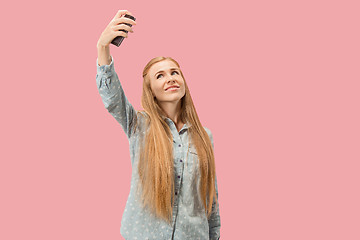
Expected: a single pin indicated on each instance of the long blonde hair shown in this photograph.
(156, 165)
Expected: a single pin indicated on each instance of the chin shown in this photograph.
(171, 99)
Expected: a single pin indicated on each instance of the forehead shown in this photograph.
(162, 66)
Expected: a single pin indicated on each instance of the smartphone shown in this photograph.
(118, 40)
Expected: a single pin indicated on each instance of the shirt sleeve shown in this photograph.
(113, 97)
(214, 220)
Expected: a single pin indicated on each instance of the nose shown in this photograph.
(171, 78)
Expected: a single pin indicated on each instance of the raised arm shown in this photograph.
(108, 84)
(114, 98)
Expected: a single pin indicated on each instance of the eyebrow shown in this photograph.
(163, 70)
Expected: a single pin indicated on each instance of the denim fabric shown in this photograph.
(189, 219)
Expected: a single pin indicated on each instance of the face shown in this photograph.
(163, 75)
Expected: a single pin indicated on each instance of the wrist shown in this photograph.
(101, 46)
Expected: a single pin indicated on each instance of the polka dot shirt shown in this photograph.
(189, 218)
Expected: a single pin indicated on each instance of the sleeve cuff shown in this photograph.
(106, 70)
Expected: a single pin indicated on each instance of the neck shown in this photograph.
(172, 110)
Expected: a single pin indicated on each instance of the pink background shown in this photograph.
(277, 82)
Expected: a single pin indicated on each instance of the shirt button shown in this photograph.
(179, 145)
(180, 160)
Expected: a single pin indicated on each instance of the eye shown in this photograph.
(157, 77)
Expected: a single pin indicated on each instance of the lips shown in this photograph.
(174, 86)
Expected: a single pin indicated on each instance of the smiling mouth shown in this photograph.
(171, 88)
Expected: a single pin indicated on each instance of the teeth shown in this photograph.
(171, 88)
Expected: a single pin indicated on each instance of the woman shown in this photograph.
(173, 192)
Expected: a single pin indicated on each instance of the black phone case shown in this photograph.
(118, 40)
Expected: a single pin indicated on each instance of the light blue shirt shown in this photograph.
(189, 218)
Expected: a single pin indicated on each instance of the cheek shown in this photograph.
(157, 89)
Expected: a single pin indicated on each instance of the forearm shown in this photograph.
(103, 55)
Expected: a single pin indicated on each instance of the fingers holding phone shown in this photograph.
(125, 21)
(117, 29)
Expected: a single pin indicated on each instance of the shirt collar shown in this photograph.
(168, 121)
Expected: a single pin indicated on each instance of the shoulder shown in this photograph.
(142, 113)
(208, 131)
(142, 118)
